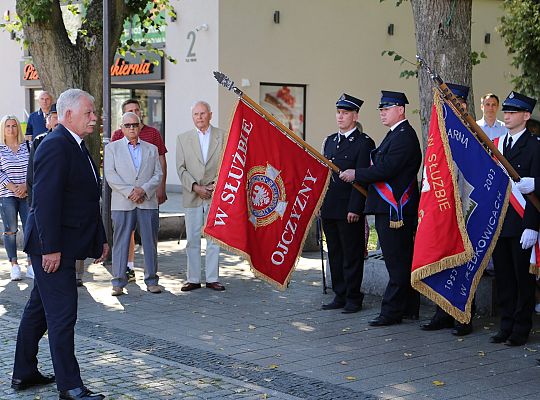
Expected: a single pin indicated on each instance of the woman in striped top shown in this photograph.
(14, 153)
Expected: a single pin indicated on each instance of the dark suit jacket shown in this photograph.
(525, 158)
(36, 124)
(396, 161)
(349, 153)
(65, 215)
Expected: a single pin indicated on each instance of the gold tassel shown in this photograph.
(396, 224)
(535, 270)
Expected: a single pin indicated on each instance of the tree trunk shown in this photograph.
(62, 65)
(443, 39)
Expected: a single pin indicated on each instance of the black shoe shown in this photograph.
(381, 320)
(38, 380)
(334, 305)
(80, 393)
(351, 308)
(462, 329)
(437, 324)
(413, 316)
(79, 282)
(514, 341)
(499, 337)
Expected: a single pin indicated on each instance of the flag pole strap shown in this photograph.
(469, 121)
(229, 85)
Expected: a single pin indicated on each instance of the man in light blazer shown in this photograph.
(134, 173)
(198, 155)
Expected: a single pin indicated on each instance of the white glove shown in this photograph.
(525, 185)
(528, 238)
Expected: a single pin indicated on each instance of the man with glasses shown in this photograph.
(133, 172)
(151, 135)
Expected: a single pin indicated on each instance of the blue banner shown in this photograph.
(483, 188)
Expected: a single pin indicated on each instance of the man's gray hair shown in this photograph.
(204, 103)
(130, 114)
(43, 93)
(70, 100)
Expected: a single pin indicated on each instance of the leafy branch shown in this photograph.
(407, 73)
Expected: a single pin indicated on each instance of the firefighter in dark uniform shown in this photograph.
(441, 319)
(393, 198)
(511, 257)
(342, 211)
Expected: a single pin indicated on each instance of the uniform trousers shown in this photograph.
(195, 219)
(124, 223)
(346, 242)
(397, 247)
(52, 307)
(515, 287)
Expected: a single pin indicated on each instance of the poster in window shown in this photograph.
(286, 102)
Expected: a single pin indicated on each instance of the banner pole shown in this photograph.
(228, 84)
(453, 102)
(320, 243)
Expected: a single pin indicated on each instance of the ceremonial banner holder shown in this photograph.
(229, 85)
(469, 121)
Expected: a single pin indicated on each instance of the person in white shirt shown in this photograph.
(492, 127)
(198, 156)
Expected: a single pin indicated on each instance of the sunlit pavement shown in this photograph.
(252, 341)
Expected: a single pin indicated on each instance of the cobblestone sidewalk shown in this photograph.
(124, 374)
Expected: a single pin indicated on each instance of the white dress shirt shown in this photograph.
(204, 141)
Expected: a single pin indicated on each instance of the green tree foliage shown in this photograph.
(520, 29)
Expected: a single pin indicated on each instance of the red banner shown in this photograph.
(439, 240)
(267, 192)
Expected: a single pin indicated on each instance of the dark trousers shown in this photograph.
(515, 287)
(52, 306)
(345, 242)
(397, 248)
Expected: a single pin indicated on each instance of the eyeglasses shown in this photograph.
(129, 126)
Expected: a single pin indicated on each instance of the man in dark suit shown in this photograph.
(342, 211)
(64, 225)
(393, 197)
(511, 257)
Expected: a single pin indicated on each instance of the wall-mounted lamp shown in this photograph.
(487, 38)
(276, 17)
(203, 27)
(390, 29)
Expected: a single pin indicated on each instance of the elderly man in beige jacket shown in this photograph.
(198, 155)
(134, 173)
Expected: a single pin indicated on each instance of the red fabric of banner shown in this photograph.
(438, 236)
(266, 194)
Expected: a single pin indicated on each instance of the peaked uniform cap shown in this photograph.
(516, 102)
(391, 99)
(348, 102)
(459, 90)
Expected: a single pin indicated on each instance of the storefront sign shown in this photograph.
(124, 69)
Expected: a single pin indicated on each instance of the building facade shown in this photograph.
(293, 57)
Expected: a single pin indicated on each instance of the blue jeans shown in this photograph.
(9, 208)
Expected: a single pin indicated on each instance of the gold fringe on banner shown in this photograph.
(245, 255)
(535, 270)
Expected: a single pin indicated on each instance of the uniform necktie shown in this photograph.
(508, 146)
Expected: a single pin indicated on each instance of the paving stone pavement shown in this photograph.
(254, 342)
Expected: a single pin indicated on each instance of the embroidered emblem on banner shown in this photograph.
(266, 195)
